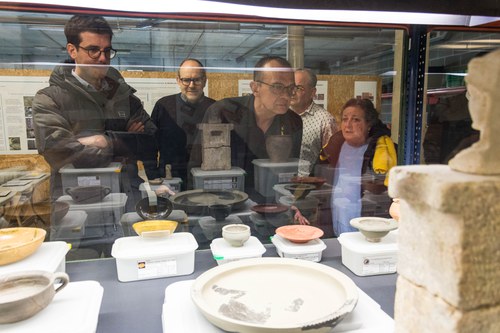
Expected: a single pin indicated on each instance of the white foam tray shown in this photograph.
(74, 309)
(181, 315)
(50, 256)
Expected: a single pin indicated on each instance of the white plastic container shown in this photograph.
(100, 214)
(107, 176)
(71, 228)
(267, 174)
(223, 252)
(311, 250)
(365, 258)
(139, 258)
(50, 256)
(174, 184)
(233, 179)
(74, 309)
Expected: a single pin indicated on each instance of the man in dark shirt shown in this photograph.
(176, 117)
(265, 112)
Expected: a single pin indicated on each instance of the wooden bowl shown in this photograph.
(18, 243)
(155, 228)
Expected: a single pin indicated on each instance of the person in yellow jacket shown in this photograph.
(362, 153)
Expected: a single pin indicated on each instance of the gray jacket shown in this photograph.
(65, 111)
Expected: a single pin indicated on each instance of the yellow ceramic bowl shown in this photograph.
(18, 243)
(155, 228)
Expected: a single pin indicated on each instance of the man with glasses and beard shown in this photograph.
(264, 112)
(89, 116)
(176, 117)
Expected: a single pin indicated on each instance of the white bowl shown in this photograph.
(236, 234)
(374, 228)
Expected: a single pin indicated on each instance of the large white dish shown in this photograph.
(274, 295)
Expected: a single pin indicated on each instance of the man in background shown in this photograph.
(176, 117)
(319, 124)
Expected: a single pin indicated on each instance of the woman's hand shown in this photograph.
(298, 217)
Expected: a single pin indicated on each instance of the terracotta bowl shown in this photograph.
(23, 294)
(299, 233)
(155, 228)
(316, 181)
(88, 194)
(269, 209)
(18, 243)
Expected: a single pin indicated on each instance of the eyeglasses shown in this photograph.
(301, 88)
(95, 52)
(279, 89)
(187, 81)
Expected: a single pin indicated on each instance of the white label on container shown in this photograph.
(285, 177)
(220, 184)
(88, 180)
(305, 256)
(154, 268)
(379, 265)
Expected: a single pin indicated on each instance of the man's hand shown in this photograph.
(98, 141)
(136, 127)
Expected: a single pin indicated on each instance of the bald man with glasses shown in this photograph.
(176, 117)
(265, 112)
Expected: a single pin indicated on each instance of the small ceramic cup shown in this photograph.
(236, 234)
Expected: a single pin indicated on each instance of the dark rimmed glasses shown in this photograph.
(187, 81)
(95, 52)
(279, 89)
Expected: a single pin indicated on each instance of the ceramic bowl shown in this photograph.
(269, 209)
(88, 194)
(394, 209)
(23, 294)
(236, 234)
(219, 211)
(18, 243)
(155, 228)
(299, 191)
(147, 211)
(316, 181)
(374, 228)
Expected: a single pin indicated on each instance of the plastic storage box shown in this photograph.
(174, 184)
(50, 256)
(311, 250)
(365, 258)
(107, 176)
(233, 179)
(71, 228)
(223, 252)
(139, 258)
(267, 174)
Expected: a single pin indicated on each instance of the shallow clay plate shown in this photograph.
(316, 181)
(299, 233)
(197, 201)
(269, 209)
(260, 295)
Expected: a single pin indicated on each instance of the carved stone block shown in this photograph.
(419, 311)
(216, 158)
(448, 234)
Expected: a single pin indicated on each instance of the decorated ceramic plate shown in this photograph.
(274, 295)
(269, 209)
(299, 233)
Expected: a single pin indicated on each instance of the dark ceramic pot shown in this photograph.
(88, 194)
(279, 147)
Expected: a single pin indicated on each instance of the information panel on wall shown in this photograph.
(16, 114)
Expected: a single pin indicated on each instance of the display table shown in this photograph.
(137, 306)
